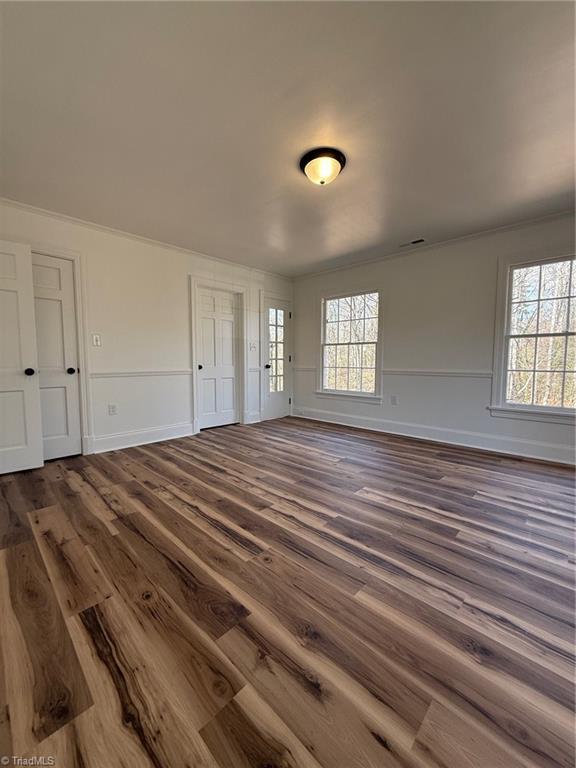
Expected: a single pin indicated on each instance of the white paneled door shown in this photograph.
(217, 358)
(55, 312)
(277, 359)
(20, 419)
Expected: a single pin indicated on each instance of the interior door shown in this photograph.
(55, 313)
(217, 358)
(20, 420)
(278, 363)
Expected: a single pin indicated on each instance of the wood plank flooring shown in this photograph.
(288, 595)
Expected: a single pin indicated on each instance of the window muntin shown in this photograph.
(541, 335)
(276, 353)
(350, 337)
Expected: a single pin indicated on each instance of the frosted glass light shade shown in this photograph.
(322, 165)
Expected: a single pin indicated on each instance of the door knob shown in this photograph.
(70, 370)
(200, 367)
(267, 365)
(29, 371)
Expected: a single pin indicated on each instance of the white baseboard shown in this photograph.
(530, 449)
(102, 443)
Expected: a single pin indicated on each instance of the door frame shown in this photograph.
(84, 388)
(241, 294)
(265, 297)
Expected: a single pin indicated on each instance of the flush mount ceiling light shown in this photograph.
(322, 165)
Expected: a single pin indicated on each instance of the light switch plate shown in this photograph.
(96, 340)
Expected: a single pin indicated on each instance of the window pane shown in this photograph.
(355, 359)
(272, 330)
(570, 390)
(572, 324)
(344, 308)
(520, 387)
(273, 368)
(371, 305)
(555, 280)
(525, 283)
(358, 305)
(280, 320)
(330, 356)
(344, 332)
(272, 380)
(280, 351)
(280, 333)
(331, 333)
(368, 381)
(548, 389)
(553, 316)
(330, 378)
(521, 354)
(368, 355)
(356, 330)
(332, 310)
(550, 353)
(280, 384)
(371, 330)
(573, 280)
(342, 357)
(355, 380)
(571, 353)
(341, 378)
(272, 316)
(272, 350)
(523, 317)
(280, 367)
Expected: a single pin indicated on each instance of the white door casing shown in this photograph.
(277, 358)
(20, 416)
(55, 312)
(217, 358)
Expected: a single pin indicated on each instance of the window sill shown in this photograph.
(532, 414)
(359, 396)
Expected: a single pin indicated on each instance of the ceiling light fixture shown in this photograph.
(322, 165)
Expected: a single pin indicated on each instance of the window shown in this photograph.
(276, 356)
(540, 352)
(350, 337)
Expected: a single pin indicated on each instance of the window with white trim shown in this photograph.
(349, 343)
(540, 352)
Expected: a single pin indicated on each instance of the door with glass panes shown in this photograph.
(277, 359)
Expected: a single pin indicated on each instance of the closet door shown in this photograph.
(20, 419)
(55, 312)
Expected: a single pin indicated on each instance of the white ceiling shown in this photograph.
(184, 122)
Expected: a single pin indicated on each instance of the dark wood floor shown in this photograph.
(288, 594)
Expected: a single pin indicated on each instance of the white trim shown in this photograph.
(131, 236)
(324, 297)
(131, 374)
(356, 396)
(446, 372)
(117, 440)
(430, 245)
(531, 449)
(533, 414)
(499, 406)
(242, 294)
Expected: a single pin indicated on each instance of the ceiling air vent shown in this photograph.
(418, 241)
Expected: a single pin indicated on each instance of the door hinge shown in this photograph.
(290, 315)
(289, 401)
(289, 358)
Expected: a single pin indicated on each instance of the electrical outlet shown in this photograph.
(393, 399)
(96, 340)
(112, 409)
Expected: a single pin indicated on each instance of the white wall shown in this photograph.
(439, 309)
(136, 295)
